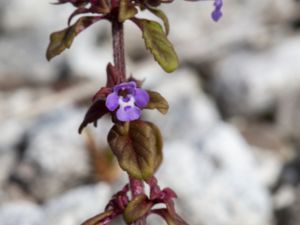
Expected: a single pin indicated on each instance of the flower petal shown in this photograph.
(112, 101)
(130, 86)
(217, 13)
(141, 97)
(128, 113)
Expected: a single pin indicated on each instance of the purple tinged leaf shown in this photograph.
(95, 112)
(61, 40)
(113, 77)
(137, 148)
(77, 12)
(101, 219)
(170, 218)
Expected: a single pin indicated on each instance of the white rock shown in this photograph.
(21, 213)
(12, 132)
(77, 205)
(250, 83)
(216, 180)
(188, 105)
(56, 158)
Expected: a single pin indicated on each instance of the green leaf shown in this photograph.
(160, 14)
(126, 10)
(138, 148)
(63, 39)
(157, 102)
(137, 208)
(158, 44)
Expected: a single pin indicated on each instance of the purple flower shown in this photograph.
(128, 99)
(217, 14)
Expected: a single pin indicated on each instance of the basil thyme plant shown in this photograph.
(137, 144)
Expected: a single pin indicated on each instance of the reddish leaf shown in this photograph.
(95, 112)
(170, 218)
(101, 219)
(113, 76)
(61, 40)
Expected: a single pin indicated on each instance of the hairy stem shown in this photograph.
(137, 188)
(118, 47)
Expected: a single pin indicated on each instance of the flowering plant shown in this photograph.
(137, 144)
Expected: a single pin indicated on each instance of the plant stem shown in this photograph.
(118, 47)
(137, 188)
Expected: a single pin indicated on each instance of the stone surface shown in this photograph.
(21, 213)
(288, 122)
(11, 134)
(254, 81)
(77, 205)
(217, 181)
(188, 105)
(55, 159)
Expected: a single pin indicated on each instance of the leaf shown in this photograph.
(100, 218)
(170, 218)
(157, 102)
(137, 208)
(95, 112)
(159, 13)
(63, 39)
(138, 148)
(158, 44)
(77, 12)
(101, 7)
(126, 10)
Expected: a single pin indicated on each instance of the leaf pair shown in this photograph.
(155, 38)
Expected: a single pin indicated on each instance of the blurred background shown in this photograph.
(232, 135)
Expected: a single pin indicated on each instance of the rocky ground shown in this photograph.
(232, 135)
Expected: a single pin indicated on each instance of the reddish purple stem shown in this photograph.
(137, 188)
(118, 44)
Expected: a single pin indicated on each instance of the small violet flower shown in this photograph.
(128, 99)
(217, 13)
